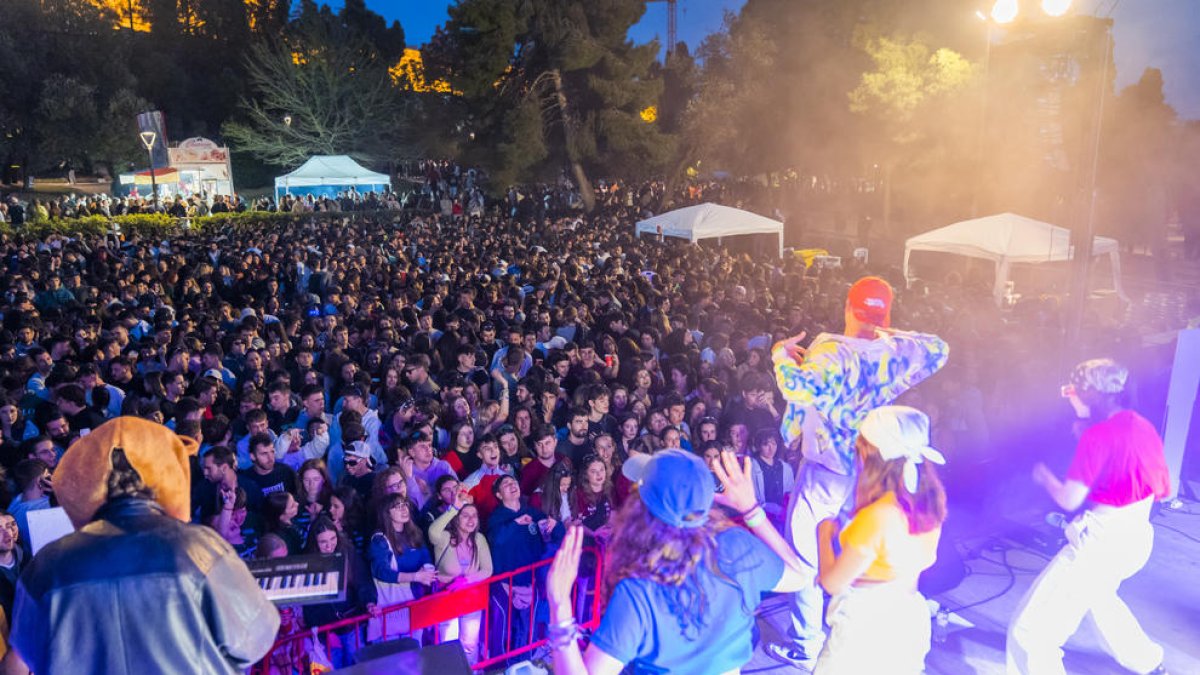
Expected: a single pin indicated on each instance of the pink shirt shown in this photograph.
(1121, 461)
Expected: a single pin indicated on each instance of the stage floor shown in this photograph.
(1165, 597)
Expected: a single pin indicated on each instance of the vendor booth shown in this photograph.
(329, 176)
(1008, 239)
(710, 221)
(205, 165)
(169, 181)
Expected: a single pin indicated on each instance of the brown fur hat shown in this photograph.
(157, 453)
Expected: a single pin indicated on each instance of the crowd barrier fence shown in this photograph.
(522, 634)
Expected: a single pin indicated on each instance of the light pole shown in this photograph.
(981, 147)
(1083, 197)
(148, 139)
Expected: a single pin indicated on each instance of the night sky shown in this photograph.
(1149, 33)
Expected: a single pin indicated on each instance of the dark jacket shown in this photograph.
(137, 591)
(8, 580)
(360, 592)
(515, 545)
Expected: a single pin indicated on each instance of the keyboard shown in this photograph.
(301, 579)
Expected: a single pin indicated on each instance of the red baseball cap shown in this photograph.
(870, 300)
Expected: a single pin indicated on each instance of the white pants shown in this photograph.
(1105, 546)
(819, 494)
(465, 629)
(883, 628)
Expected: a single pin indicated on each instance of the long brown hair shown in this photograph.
(409, 536)
(552, 496)
(579, 487)
(926, 510)
(452, 529)
(644, 547)
(326, 485)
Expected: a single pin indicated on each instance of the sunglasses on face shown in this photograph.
(352, 462)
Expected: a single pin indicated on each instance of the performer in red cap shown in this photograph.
(830, 388)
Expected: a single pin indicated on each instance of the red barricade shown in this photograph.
(447, 604)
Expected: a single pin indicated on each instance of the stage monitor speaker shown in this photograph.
(1181, 402)
(447, 658)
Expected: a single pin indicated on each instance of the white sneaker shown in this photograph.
(791, 656)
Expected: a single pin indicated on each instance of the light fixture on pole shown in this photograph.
(148, 139)
(287, 121)
(1005, 11)
(1056, 7)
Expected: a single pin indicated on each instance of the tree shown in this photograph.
(553, 85)
(318, 93)
(1139, 163)
(906, 98)
(680, 75)
(67, 94)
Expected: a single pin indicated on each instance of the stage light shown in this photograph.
(1005, 11)
(1056, 7)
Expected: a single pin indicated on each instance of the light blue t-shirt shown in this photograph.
(19, 509)
(639, 627)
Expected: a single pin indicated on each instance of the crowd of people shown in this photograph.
(438, 397)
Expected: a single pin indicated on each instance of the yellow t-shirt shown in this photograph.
(880, 531)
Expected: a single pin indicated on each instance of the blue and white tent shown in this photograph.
(330, 175)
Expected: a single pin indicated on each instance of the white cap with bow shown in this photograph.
(900, 431)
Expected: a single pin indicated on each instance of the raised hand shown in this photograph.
(563, 572)
(736, 477)
(791, 347)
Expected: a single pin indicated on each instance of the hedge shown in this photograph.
(161, 224)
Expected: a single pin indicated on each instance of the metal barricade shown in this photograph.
(521, 628)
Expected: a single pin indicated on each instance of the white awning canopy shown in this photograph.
(710, 221)
(1007, 239)
(330, 171)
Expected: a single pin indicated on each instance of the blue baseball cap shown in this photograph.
(675, 485)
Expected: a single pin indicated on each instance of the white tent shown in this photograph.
(329, 175)
(709, 221)
(1007, 239)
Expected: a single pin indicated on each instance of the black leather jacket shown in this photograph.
(137, 591)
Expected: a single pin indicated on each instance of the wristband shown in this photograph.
(756, 518)
(743, 514)
(562, 636)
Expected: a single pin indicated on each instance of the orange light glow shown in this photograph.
(411, 70)
(126, 13)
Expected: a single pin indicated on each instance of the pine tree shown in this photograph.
(554, 85)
